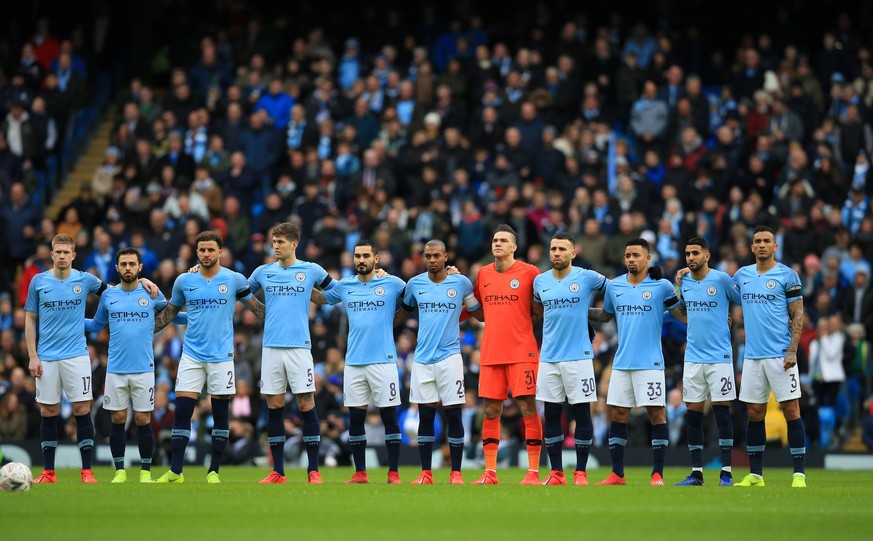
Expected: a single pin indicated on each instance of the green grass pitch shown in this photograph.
(837, 505)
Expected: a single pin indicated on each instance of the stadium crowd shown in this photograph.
(609, 130)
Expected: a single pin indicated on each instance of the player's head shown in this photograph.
(503, 242)
(562, 250)
(764, 243)
(697, 254)
(128, 263)
(63, 251)
(208, 245)
(637, 256)
(286, 237)
(365, 257)
(435, 256)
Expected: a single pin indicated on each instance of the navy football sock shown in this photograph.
(220, 431)
(694, 433)
(276, 438)
(358, 437)
(756, 442)
(660, 441)
(181, 431)
(311, 438)
(426, 417)
(48, 434)
(584, 434)
(617, 441)
(553, 434)
(456, 436)
(797, 444)
(85, 437)
(116, 444)
(392, 436)
(146, 440)
(725, 434)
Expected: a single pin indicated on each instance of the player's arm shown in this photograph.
(681, 274)
(166, 316)
(599, 314)
(100, 318)
(151, 287)
(257, 307)
(680, 312)
(30, 331)
(536, 311)
(672, 302)
(795, 322)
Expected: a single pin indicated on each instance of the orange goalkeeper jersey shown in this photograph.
(506, 301)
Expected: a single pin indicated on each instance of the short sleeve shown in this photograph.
(93, 283)
(409, 302)
(102, 315)
(536, 292)
(334, 295)
(470, 300)
(596, 281)
(322, 278)
(178, 297)
(254, 280)
(32, 302)
(243, 291)
(608, 305)
(670, 299)
(732, 289)
(793, 287)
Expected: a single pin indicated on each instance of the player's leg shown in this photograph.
(357, 397)
(493, 389)
(190, 379)
(694, 393)
(523, 382)
(755, 392)
(620, 399)
(578, 378)
(299, 371)
(550, 390)
(116, 400)
(273, 385)
(142, 397)
(221, 386)
(48, 395)
(423, 392)
(723, 390)
(385, 386)
(146, 444)
(450, 384)
(649, 391)
(76, 380)
(786, 388)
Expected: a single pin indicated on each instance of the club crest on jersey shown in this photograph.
(143, 302)
(771, 284)
(514, 284)
(574, 287)
(711, 291)
(379, 291)
(105, 399)
(222, 289)
(452, 293)
(301, 277)
(647, 295)
(77, 289)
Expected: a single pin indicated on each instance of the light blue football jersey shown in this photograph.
(565, 313)
(287, 292)
(439, 307)
(708, 304)
(370, 307)
(210, 305)
(60, 305)
(765, 300)
(131, 319)
(639, 315)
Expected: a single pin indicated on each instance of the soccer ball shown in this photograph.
(15, 477)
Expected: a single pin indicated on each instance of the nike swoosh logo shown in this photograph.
(685, 290)
(546, 289)
(486, 285)
(589, 393)
(617, 295)
(270, 276)
(113, 302)
(192, 289)
(422, 292)
(46, 290)
(744, 283)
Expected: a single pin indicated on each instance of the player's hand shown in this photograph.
(35, 367)
(451, 269)
(790, 360)
(150, 286)
(680, 274)
(195, 268)
(381, 273)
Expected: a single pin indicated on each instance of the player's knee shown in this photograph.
(276, 401)
(493, 410)
(791, 410)
(657, 415)
(619, 414)
(50, 410)
(142, 418)
(527, 405)
(81, 408)
(757, 412)
(306, 401)
(118, 417)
